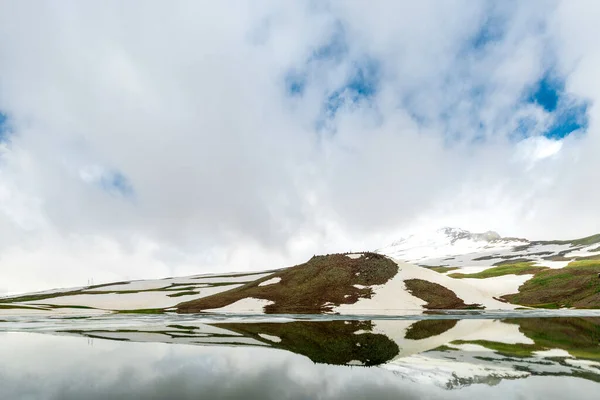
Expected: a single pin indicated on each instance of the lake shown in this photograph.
(523, 355)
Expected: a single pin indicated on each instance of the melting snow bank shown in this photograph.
(249, 304)
(499, 285)
(270, 281)
(270, 338)
(393, 297)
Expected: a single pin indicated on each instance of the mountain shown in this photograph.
(446, 269)
(447, 242)
(460, 248)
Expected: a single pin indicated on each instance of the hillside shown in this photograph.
(358, 283)
(450, 269)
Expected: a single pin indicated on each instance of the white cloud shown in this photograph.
(189, 105)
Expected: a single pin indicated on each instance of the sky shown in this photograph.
(145, 139)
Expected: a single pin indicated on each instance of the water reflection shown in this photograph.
(302, 359)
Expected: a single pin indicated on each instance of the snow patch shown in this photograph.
(270, 281)
(393, 296)
(270, 338)
(248, 304)
(354, 256)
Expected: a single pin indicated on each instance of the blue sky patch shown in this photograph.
(568, 114)
(336, 47)
(567, 120)
(3, 127)
(547, 92)
(492, 30)
(361, 85)
(115, 182)
(295, 83)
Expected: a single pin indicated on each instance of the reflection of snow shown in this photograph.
(270, 338)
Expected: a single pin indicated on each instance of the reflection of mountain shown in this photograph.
(448, 353)
(555, 347)
(330, 342)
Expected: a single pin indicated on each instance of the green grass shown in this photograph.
(576, 285)
(429, 328)
(578, 336)
(18, 307)
(329, 342)
(183, 327)
(512, 261)
(179, 294)
(437, 296)
(441, 269)
(586, 241)
(311, 287)
(37, 297)
(519, 350)
(520, 268)
(143, 311)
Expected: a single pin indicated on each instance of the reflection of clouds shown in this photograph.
(51, 367)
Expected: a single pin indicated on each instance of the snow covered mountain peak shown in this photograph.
(447, 241)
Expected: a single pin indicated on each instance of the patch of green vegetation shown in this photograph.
(584, 261)
(329, 342)
(235, 275)
(179, 294)
(441, 269)
(518, 350)
(312, 287)
(428, 328)
(512, 261)
(36, 297)
(519, 268)
(69, 306)
(576, 286)
(106, 284)
(486, 258)
(178, 287)
(586, 241)
(143, 311)
(522, 247)
(578, 336)
(443, 348)
(437, 296)
(594, 249)
(16, 306)
(183, 327)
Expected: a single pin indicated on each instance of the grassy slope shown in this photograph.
(518, 268)
(330, 342)
(578, 336)
(437, 296)
(429, 328)
(576, 285)
(312, 287)
(441, 269)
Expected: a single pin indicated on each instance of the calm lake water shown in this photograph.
(240, 357)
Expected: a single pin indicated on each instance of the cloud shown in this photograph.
(254, 136)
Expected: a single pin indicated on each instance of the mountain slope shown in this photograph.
(462, 249)
(365, 283)
(456, 270)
